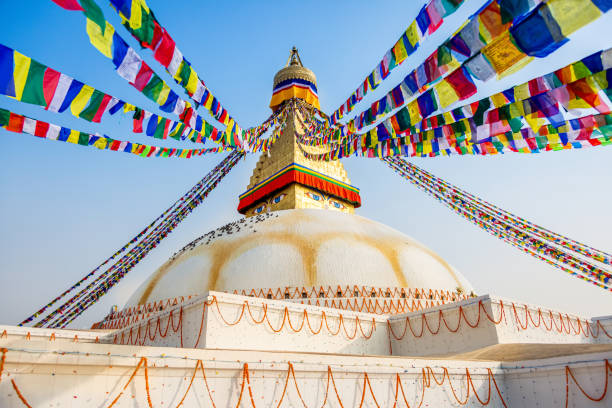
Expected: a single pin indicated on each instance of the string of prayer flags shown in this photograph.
(577, 88)
(488, 44)
(593, 130)
(558, 239)
(121, 250)
(29, 81)
(140, 21)
(22, 124)
(131, 67)
(429, 19)
(534, 240)
(80, 302)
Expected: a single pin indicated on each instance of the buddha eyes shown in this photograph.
(314, 196)
(338, 205)
(260, 209)
(278, 198)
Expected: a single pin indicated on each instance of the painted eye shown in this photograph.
(260, 209)
(314, 196)
(338, 205)
(278, 198)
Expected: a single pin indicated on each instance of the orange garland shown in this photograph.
(568, 373)
(562, 327)
(412, 299)
(245, 305)
(2, 359)
(21, 397)
(565, 328)
(427, 375)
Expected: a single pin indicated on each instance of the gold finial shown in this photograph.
(294, 58)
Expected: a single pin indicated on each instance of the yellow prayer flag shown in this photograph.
(73, 137)
(208, 102)
(553, 139)
(177, 75)
(498, 100)
(446, 93)
(129, 108)
(598, 81)
(104, 43)
(163, 94)
(535, 122)
(414, 112)
(20, 73)
(413, 33)
(502, 53)
(144, 5)
(192, 84)
(519, 64)
(81, 100)
(448, 117)
(578, 103)
(427, 146)
(100, 143)
(517, 109)
(135, 20)
(399, 50)
(521, 92)
(573, 14)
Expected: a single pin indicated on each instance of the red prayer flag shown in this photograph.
(98, 116)
(50, 81)
(41, 129)
(164, 52)
(69, 4)
(15, 123)
(461, 83)
(137, 128)
(143, 77)
(434, 16)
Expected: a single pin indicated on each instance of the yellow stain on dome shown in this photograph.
(224, 251)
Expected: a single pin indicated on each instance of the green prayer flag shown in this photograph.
(94, 13)
(4, 117)
(153, 88)
(83, 139)
(403, 119)
(94, 104)
(33, 91)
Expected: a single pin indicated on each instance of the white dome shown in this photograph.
(296, 248)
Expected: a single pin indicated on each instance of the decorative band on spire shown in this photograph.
(294, 88)
(295, 173)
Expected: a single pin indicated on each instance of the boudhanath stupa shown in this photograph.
(301, 302)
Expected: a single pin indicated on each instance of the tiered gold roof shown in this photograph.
(286, 152)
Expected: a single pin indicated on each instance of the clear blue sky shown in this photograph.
(65, 208)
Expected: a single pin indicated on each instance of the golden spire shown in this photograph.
(283, 178)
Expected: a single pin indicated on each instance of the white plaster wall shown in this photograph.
(438, 339)
(535, 324)
(516, 326)
(359, 333)
(77, 375)
(605, 323)
(35, 333)
(542, 383)
(93, 376)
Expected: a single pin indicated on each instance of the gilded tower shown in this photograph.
(283, 178)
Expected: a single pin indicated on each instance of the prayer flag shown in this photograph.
(69, 4)
(33, 90)
(22, 66)
(7, 84)
(81, 99)
(101, 38)
(63, 84)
